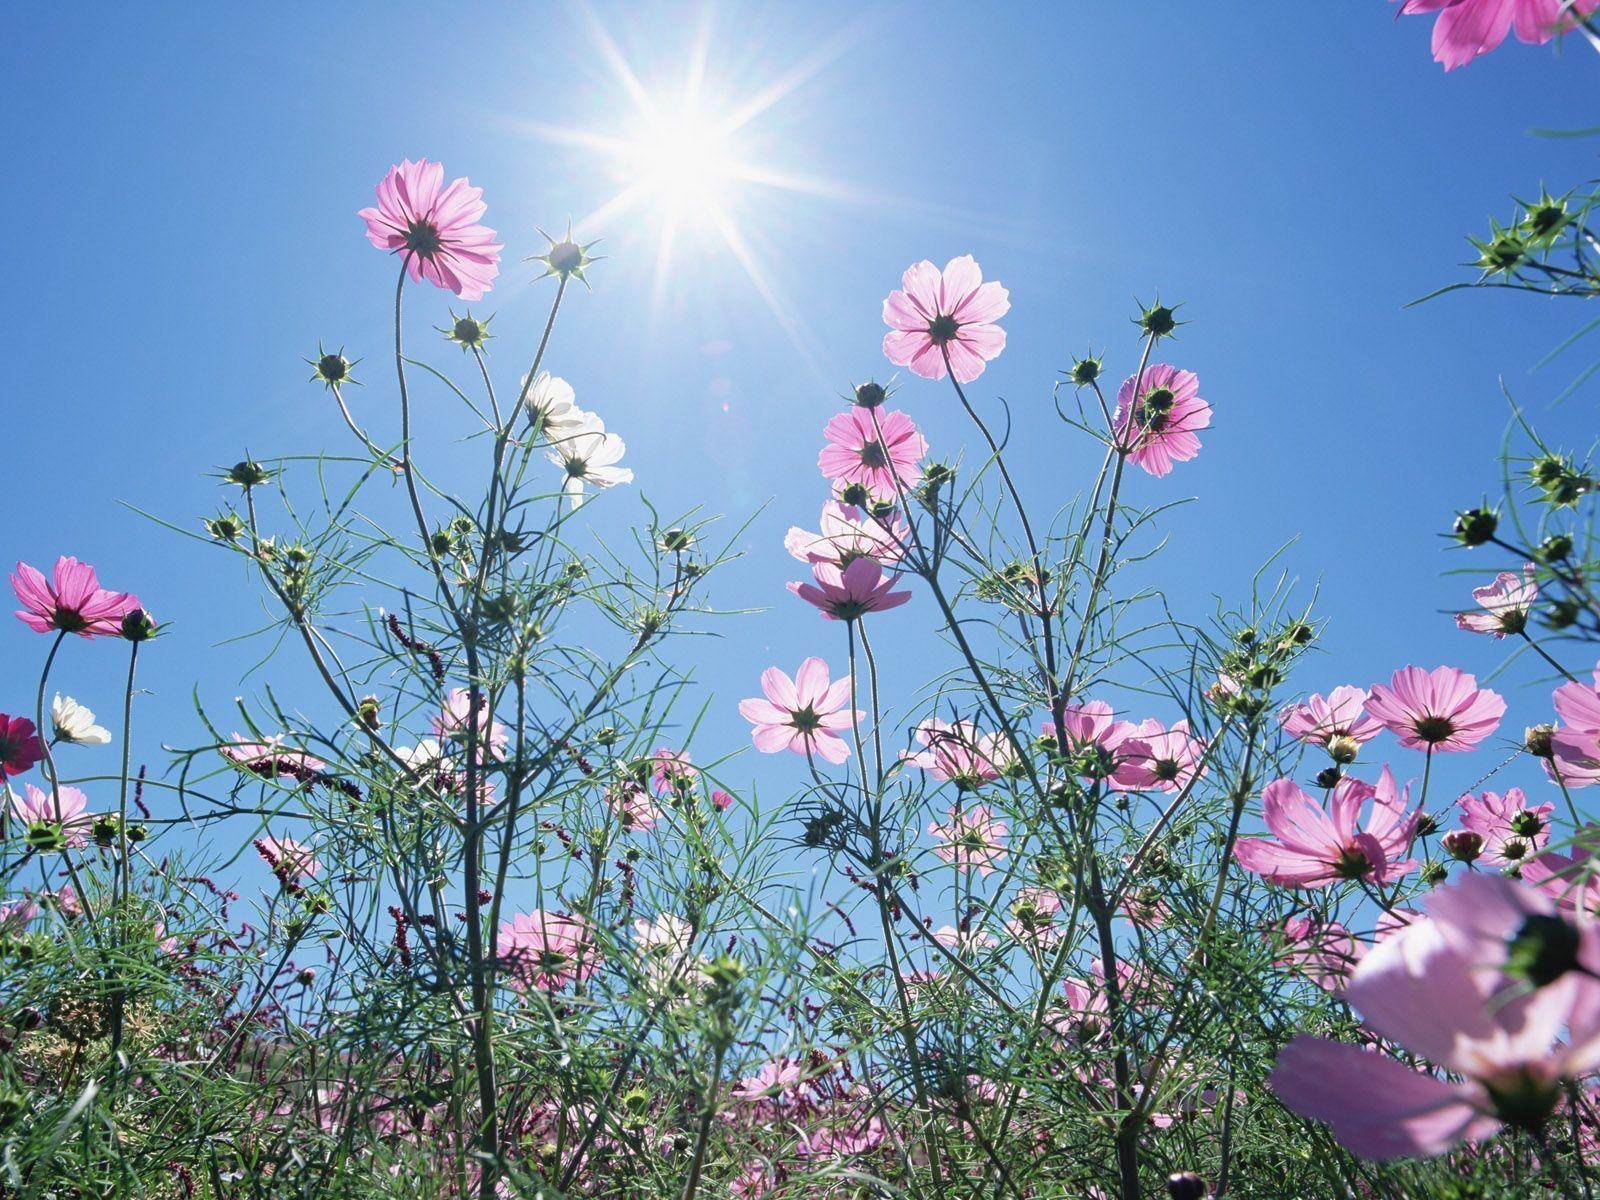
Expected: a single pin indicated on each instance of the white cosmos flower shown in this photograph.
(75, 723)
(552, 406)
(589, 455)
(424, 755)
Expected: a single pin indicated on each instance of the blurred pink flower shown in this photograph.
(545, 950)
(1434, 989)
(20, 748)
(1443, 709)
(672, 772)
(1341, 714)
(289, 860)
(1512, 830)
(633, 806)
(1575, 745)
(848, 534)
(1503, 605)
(874, 449)
(72, 600)
(1323, 952)
(847, 595)
(435, 227)
(957, 753)
(972, 838)
(1467, 28)
(452, 721)
(65, 809)
(952, 313)
(805, 714)
(1157, 427)
(1312, 847)
(270, 757)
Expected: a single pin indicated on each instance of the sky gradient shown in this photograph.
(183, 233)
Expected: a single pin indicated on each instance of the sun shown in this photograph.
(690, 169)
(682, 163)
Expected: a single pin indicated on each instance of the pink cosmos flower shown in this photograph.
(435, 227)
(723, 800)
(20, 749)
(1443, 709)
(805, 714)
(1341, 714)
(1512, 830)
(1504, 604)
(1575, 745)
(72, 600)
(971, 839)
(847, 595)
(1157, 427)
(673, 772)
(1435, 990)
(1312, 848)
(1172, 756)
(1569, 878)
(545, 950)
(65, 819)
(1467, 28)
(633, 806)
(874, 449)
(452, 721)
(956, 752)
(288, 859)
(1323, 952)
(1104, 748)
(848, 534)
(271, 757)
(950, 313)
(1033, 915)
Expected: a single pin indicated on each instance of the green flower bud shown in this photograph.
(1476, 526)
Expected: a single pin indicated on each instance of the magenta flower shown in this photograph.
(435, 227)
(545, 950)
(848, 534)
(20, 749)
(1435, 989)
(1443, 709)
(1157, 427)
(874, 455)
(1172, 756)
(805, 714)
(52, 820)
(1512, 830)
(1575, 745)
(1104, 748)
(1341, 714)
(847, 595)
(972, 838)
(951, 313)
(72, 600)
(673, 772)
(1503, 605)
(1467, 28)
(1312, 847)
(957, 753)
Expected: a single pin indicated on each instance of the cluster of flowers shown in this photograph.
(71, 600)
(435, 229)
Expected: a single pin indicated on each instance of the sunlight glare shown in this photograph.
(682, 163)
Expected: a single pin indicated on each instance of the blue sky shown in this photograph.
(182, 232)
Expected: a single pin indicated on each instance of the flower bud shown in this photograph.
(248, 474)
(305, 976)
(869, 395)
(225, 528)
(1085, 371)
(1186, 1185)
(1434, 873)
(468, 332)
(1427, 825)
(1537, 740)
(368, 713)
(1329, 776)
(675, 541)
(1555, 548)
(1562, 614)
(1476, 526)
(1158, 320)
(137, 626)
(1463, 845)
